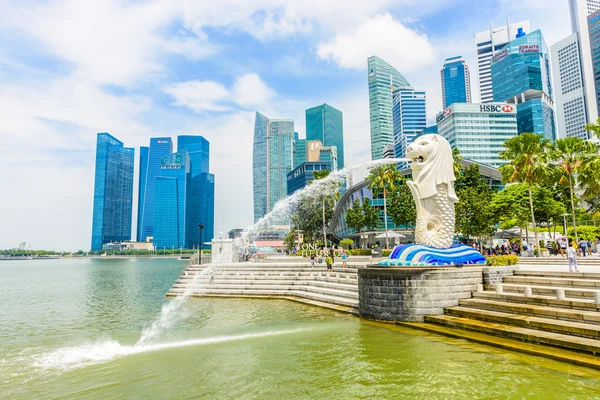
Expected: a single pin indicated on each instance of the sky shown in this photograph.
(141, 69)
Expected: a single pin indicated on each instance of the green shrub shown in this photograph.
(500, 261)
(386, 253)
(359, 252)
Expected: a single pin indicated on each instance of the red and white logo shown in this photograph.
(507, 108)
(448, 111)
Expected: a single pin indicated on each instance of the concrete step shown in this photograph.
(554, 281)
(343, 301)
(517, 332)
(560, 274)
(307, 268)
(540, 323)
(272, 275)
(560, 354)
(547, 290)
(592, 317)
(550, 301)
(248, 288)
(314, 283)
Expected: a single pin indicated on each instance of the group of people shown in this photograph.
(330, 258)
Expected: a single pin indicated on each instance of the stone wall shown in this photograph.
(493, 275)
(408, 294)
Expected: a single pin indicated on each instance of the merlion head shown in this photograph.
(432, 165)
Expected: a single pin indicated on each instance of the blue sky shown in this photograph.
(140, 69)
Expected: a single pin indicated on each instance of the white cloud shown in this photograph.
(381, 35)
(198, 96)
(251, 91)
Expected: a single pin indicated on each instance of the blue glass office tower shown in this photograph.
(594, 33)
(324, 123)
(171, 202)
(521, 76)
(383, 78)
(202, 190)
(409, 113)
(141, 189)
(272, 160)
(159, 148)
(456, 82)
(113, 192)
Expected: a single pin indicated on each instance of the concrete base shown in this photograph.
(223, 252)
(409, 294)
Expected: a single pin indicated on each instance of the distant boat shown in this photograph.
(185, 257)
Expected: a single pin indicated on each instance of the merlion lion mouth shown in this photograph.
(419, 159)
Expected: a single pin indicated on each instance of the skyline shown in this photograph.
(162, 72)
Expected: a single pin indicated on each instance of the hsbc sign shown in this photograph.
(496, 108)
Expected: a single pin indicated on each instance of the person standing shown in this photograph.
(572, 256)
(344, 255)
(329, 261)
(312, 259)
(549, 247)
(583, 246)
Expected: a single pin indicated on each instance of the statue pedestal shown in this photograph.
(223, 252)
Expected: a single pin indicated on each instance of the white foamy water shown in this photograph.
(101, 352)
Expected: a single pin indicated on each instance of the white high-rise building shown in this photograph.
(488, 43)
(573, 74)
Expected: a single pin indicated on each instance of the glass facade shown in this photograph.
(272, 161)
(594, 31)
(383, 78)
(113, 192)
(299, 152)
(159, 148)
(456, 82)
(202, 193)
(300, 177)
(324, 123)
(409, 113)
(141, 189)
(521, 76)
(478, 130)
(171, 205)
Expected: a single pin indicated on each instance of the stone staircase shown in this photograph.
(557, 309)
(337, 289)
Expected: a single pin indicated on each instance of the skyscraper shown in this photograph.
(456, 82)
(171, 202)
(521, 76)
(202, 189)
(573, 73)
(409, 112)
(272, 160)
(113, 192)
(324, 123)
(594, 31)
(488, 43)
(159, 148)
(141, 189)
(383, 78)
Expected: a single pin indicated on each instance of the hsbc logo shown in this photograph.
(496, 108)
(448, 112)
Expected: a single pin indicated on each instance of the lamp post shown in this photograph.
(200, 227)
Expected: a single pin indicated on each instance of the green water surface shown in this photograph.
(68, 330)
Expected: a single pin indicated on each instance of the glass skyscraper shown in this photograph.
(324, 123)
(478, 130)
(409, 116)
(594, 31)
(141, 189)
(521, 76)
(272, 161)
(171, 202)
(113, 192)
(159, 148)
(383, 78)
(456, 82)
(202, 189)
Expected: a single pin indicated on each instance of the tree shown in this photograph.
(329, 195)
(370, 214)
(527, 156)
(457, 157)
(384, 179)
(308, 217)
(474, 215)
(569, 154)
(290, 241)
(346, 243)
(401, 207)
(511, 205)
(354, 216)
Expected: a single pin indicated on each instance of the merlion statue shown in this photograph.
(432, 188)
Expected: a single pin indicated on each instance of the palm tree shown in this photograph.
(457, 157)
(569, 154)
(527, 156)
(384, 178)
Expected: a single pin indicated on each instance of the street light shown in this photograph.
(200, 226)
